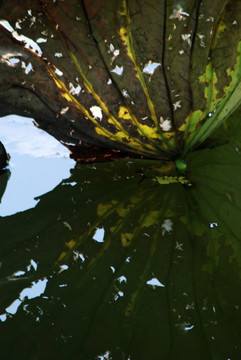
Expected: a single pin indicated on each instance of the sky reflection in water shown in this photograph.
(38, 163)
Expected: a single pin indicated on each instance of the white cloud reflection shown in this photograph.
(19, 134)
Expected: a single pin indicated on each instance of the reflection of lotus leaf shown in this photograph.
(152, 78)
(161, 282)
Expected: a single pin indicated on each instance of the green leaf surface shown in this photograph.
(133, 269)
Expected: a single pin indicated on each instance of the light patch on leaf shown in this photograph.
(124, 113)
(123, 211)
(70, 244)
(150, 219)
(167, 180)
(191, 121)
(126, 41)
(126, 239)
(104, 208)
(221, 29)
(150, 132)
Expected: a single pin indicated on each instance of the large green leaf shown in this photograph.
(134, 269)
(153, 78)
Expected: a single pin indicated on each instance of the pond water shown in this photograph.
(109, 264)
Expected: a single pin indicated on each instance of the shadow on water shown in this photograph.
(113, 265)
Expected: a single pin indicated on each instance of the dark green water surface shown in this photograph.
(113, 265)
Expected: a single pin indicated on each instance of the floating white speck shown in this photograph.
(119, 294)
(63, 285)
(3, 317)
(78, 255)
(187, 38)
(17, 274)
(146, 234)
(178, 13)
(63, 268)
(32, 264)
(14, 60)
(181, 52)
(116, 53)
(44, 32)
(58, 54)
(150, 67)
(118, 70)
(99, 235)
(81, 256)
(177, 105)
(165, 125)
(125, 93)
(167, 226)
(179, 246)
(154, 282)
(67, 225)
(74, 90)
(64, 110)
(10, 58)
(213, 224)
(112, 269)
(201, 37)
(58, 72)
(41, 40)
(17, 25)
(33, 20)
(96, 112)
(109, 82)
(187, 328)
(122, 279)
(105, 356)
(29, 67)
(210, 18)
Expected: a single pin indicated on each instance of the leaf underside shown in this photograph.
(149, 78)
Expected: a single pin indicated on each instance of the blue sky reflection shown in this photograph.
(38, 163)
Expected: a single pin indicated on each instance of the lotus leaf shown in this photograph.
(152, 78)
